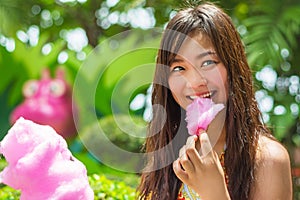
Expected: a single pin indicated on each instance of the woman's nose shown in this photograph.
(195, 79)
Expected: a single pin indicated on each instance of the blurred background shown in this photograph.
(62, 35)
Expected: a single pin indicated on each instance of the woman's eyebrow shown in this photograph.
(203, 54)
(177, 60)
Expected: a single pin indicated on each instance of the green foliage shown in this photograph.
(118, 69)
(93, 166)
(116, 141)
(14, 15)
(8, 193)
(72, 14)
(108, 189)
(270, 30)
(272, 39)
(124, 131)
(131, 141)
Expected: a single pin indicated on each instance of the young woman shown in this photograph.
(201, 55)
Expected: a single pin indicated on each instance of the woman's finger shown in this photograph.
(192, 152)
(180, 173)
(194, 157)
(186, 163)
(206, 147)
(190, 142)
(182, 151)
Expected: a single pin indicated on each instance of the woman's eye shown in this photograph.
(177, 69)
(208, 63)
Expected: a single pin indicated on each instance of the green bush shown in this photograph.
(110, 190)
(113, 140)
(7, 193)
(126, 132)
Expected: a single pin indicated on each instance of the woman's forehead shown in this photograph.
(198, 43)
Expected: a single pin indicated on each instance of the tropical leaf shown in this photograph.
(270, 30)
(14, 15)
(109, 70)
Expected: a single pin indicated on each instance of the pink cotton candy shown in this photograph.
(200, 113)
(41, 166)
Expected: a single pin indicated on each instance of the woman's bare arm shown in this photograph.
(273, 173)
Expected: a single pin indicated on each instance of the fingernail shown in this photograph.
(204, 135)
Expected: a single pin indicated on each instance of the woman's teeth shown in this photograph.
(206, 95)
(193, 97)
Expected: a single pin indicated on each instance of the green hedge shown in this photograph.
(7, 193)
(111, 190)
(126, 132)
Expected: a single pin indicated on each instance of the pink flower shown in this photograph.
(40, 164)
(200, 113)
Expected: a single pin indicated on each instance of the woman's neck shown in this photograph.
(220, 146)
(217, 135)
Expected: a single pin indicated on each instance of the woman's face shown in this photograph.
(197, 71)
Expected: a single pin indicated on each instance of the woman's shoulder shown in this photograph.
(272, 171)
(271, 151)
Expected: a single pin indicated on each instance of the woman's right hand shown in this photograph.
(202, 173)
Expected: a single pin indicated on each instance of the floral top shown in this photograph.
(185, 193)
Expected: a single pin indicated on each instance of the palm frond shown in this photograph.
(270, 31)
(14, 14)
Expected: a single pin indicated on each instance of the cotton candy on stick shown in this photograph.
(41, 166)
(200, 113)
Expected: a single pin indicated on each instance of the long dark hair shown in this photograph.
(243, 119)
